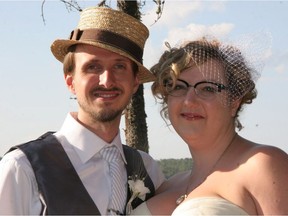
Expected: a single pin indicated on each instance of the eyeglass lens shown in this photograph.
(203, 89)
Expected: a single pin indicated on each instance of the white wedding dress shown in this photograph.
(199, 206)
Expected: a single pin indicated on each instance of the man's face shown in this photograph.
(103, 83)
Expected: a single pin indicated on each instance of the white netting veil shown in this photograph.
(233, 64)
(242, 61)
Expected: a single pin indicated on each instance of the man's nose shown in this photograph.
(106, 78)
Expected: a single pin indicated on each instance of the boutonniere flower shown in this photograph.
(138, 190)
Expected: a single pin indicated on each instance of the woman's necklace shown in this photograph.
(184, 196)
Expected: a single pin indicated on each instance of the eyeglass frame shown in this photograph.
(219, 86)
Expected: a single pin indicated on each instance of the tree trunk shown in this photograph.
(135, 121)
(135, 116)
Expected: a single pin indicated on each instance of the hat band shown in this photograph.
(109, 38)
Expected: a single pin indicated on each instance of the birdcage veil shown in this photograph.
(243, 59)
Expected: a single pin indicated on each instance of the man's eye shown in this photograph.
(94, 68)
(120, 66)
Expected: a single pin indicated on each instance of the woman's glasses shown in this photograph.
(204, 89)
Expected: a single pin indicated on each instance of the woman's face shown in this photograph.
(204, 115)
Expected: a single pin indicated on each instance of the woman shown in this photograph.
(203, 86)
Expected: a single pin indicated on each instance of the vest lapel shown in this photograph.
(135, 166)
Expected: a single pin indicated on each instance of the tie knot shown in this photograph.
(110, 153)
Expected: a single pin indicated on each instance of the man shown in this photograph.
(67, 172)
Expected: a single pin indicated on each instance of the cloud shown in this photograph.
(178, 23)
(195, 31)
(173, 13)
(277, 63)
(177, 12)
(219, 6)
(280, 64)
(281, 68)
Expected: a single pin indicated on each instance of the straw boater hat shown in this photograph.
(112, 30)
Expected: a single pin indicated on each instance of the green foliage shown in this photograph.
(173, 166)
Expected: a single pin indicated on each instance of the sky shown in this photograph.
(34, 98)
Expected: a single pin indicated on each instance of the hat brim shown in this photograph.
(60, 48)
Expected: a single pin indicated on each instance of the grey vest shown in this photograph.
(59, 183)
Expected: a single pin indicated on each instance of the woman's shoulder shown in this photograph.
(266, 155)
(264, 173)
(264, 162)
(251, 152)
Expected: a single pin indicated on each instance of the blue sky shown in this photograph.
(35, 98)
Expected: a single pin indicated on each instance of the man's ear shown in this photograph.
(136, 84)
(70, 82)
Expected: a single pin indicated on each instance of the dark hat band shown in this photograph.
(111, 39)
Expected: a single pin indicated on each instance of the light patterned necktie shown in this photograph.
(118, 197)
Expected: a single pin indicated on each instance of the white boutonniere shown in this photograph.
(138, 189)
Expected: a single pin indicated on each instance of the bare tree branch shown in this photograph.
(42, 11)
(160, 8)
(102, 3)
(72, 4)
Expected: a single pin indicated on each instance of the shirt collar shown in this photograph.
(86, 143)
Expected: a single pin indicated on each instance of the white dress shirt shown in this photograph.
(18, 187)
